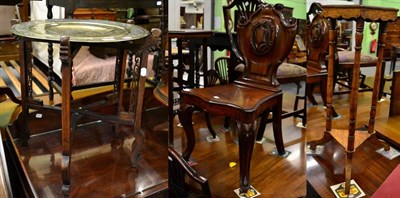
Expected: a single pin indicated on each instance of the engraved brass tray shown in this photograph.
(90, 31)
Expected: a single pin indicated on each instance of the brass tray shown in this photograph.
(90, 31)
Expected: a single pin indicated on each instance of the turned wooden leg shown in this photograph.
(185, 117)
(349, 159)
(209, 125)
(277, 127)
(246, 143)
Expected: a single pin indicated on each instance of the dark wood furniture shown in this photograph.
(192, 70)
(317, 43)
(265, 38)
(351, 138)
(139, 42)
(178, 168)
(71, 5)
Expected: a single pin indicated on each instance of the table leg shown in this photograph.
(25, 58)
(65, 56)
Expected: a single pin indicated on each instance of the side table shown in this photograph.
(71, 34)
(351, 138)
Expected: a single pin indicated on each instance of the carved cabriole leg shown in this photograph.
(65, 56)
(277, 126)
(24, 50)
(247, 135)
(185, 117)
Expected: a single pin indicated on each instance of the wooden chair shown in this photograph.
(177, 169)
(265, 37)
(317, 46)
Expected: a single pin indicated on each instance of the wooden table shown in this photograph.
(71, 5)
(351, 138)
(118, 35)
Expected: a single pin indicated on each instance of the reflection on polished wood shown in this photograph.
(369, 168)
(100, 161)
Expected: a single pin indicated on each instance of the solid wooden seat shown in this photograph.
(265, 38)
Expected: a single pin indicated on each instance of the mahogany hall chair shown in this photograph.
(265, 38)
(317, 42)
(178, 168)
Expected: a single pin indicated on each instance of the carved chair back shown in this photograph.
(265, 38)
(317, 40)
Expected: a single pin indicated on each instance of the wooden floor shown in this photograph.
(100, 164)
(369, 170)
(105, 163)
(270, 175)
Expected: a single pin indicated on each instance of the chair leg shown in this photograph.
(209, 125)
(298, 87)
(262, 125)
(227, 123)
(185, 117)
(277, 128)
(246, 144)
(309, 93)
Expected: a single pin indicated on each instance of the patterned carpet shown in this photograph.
(10, 77)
